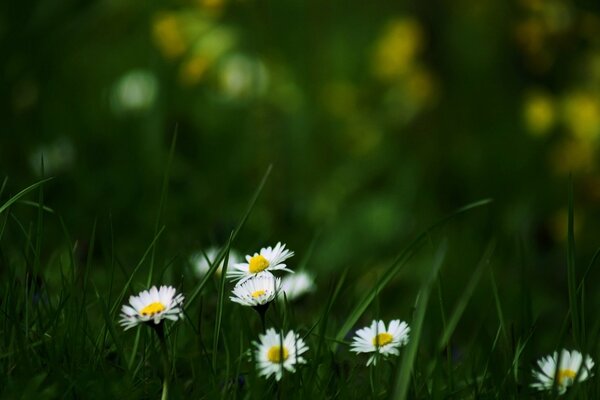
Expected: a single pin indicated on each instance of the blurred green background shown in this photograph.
(378, 118)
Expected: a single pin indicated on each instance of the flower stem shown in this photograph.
(164, 353)
(262, 310)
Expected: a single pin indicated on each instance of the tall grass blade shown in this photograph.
(397, 265)
(221, 254)
(465, 297)
(161, 204)
(219, 315)
(571, 274)
(410, 353)
(22, 193)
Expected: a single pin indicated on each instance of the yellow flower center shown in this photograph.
(566, 374)
(382, 339)
(258, 293)
(277, 355)
(258, 263)
(153, 308)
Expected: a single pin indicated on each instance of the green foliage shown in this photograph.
(61, 336)
(146, 129)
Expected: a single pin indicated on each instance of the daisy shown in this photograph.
(256, 291)
(152, 305)
(572, 364)
(269, 259)
(201, 262)
(296, 285)
(379, 340)
(275, 352)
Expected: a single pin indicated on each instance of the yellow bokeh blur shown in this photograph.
(397, 48)
(573, 156)
(582, 115)
(168, 36)
(539, 113)
(192, 70)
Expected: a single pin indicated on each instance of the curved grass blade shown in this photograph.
(574, 305)
(406, 366)
(221, 255)
(162, 201)
(397, 265)
(466, 295)
(219, 315)
(22, 193)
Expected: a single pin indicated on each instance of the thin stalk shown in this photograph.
(164, 354)
(262, 310)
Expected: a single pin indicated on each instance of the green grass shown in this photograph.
(60, 337)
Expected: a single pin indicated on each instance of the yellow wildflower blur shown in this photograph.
(167, 34)
(573, 156)
(397, 48)
(582, 115)
(192, 70)
(539, 113)
(212, 5)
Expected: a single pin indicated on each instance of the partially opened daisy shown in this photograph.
(201, 262)
(256, 291)
(379, 340)
(152, 305)
(296, 285)
(269, 259)
(275, 353)
(572, 367)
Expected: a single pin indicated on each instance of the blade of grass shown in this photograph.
(465, 297)
(22, 193)
(397, 265)
(161, 203)
(499, 307)
(571, 274)
(127, 285)
(3, 186)
(221, 255)
(323, 327)
(36, 205)
(410, 353)
(110, 326)
(219, 315)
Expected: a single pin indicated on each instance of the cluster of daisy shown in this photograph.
(257, 286)
(274, 352)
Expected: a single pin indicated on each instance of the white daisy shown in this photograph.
(572, 365)
(152, 305)
(269, 259)
(297, 285)
(258, 290)
(275, 352)
(379, 340)
(201, 262)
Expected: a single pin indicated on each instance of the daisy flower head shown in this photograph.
(152, 305)
(379, 340)
(269, 259)
(275, 353)
(573, 366)
(296, 285)
(260, 289)
(201, 262)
